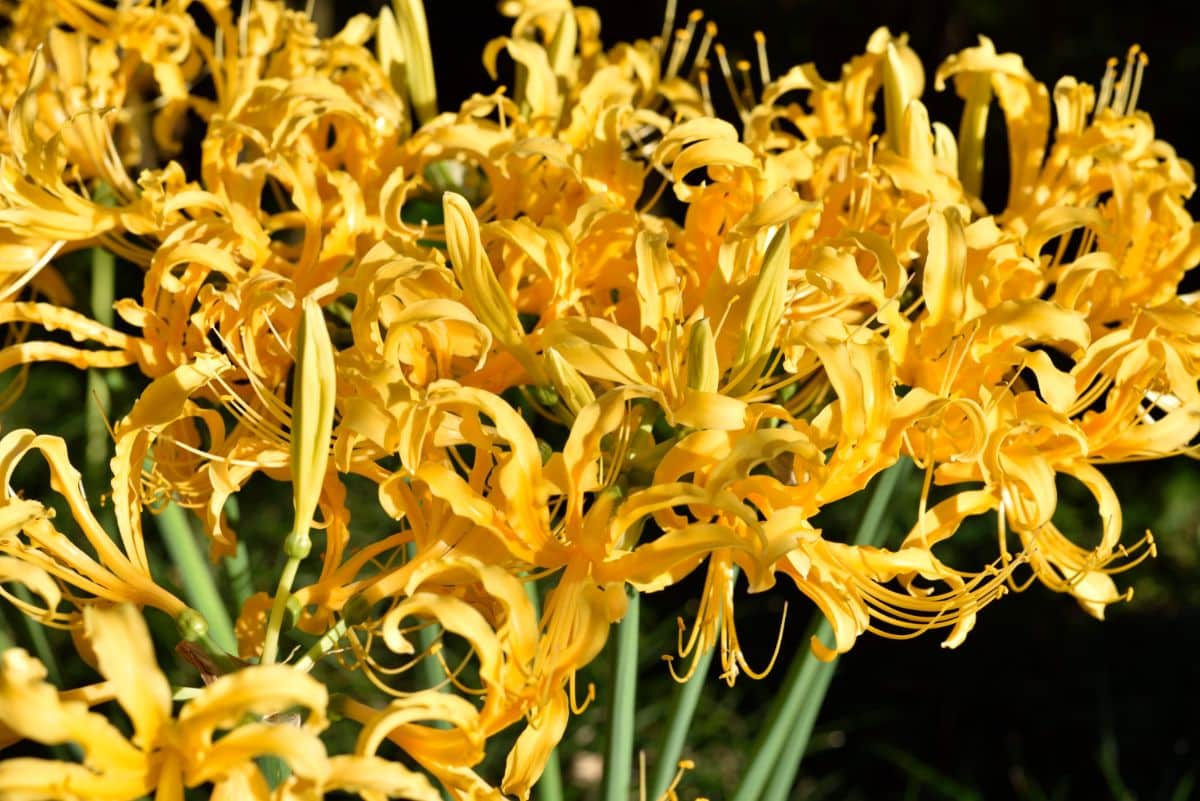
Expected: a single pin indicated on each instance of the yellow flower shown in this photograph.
(213, 739)
(111, 573)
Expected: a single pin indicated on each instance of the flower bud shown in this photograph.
(765, 312)
(572, 388)
(703, 371)
(314, 390)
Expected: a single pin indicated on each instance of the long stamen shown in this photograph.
(668, 24)
(678, 53)
(706, 94)
(1106, 85)
(1121, 103)
(706, 41)
(1142, 61)
(743, 68)
(727, 73)
(760, 44)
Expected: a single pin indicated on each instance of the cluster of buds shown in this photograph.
(579, 333)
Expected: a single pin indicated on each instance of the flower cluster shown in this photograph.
(581, 332)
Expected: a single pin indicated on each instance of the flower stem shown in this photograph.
(237, 568)
(99, 400)
(687, 697)
(618, 765)
(818, 679)
(198, 585)
(322, 646)
(275, 622)
(781, 746)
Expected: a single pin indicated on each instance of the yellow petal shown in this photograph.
(125, 655)
(32, 709)
(302, 750)
(369, 774)
(259, 690)
(527, 759)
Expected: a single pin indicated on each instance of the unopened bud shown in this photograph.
(703, 370)
(313, 395)
(765, 312)
(572, 388)
(192, 625)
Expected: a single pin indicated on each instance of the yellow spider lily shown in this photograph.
(170, 751)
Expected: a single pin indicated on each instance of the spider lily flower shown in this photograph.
(834, 297)
(110, 572)
(482, 291)
(170, 751)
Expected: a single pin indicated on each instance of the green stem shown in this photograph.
(237, 568)
(550, 786)
(275, 622)
(687, 698)
(618, 765)
(327, 643)
(782, 744)
(784, 777)
(99, 396)
(198, 585)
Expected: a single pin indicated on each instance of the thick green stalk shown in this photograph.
(799, 699)
(283, 591)
(327, 643)
(618, 765)
(784, 776)
(237, 568)
(550, 786)
(687, 697)
(198, 585)
(99, 397)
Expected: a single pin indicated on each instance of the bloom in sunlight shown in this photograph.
(213, 739)
(518, 358)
